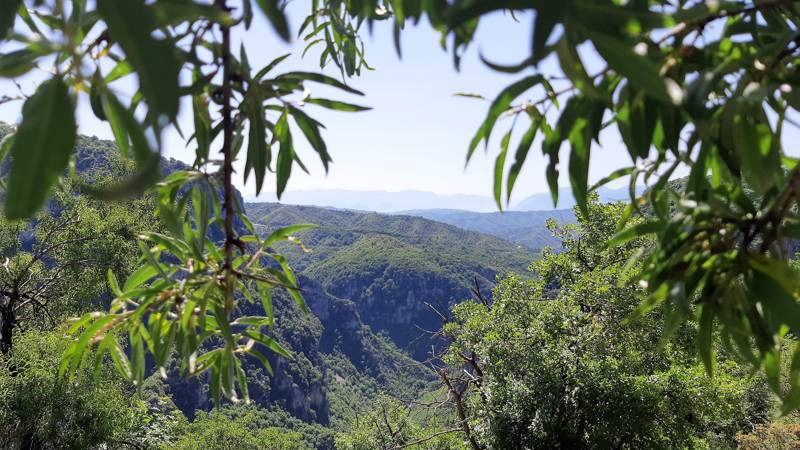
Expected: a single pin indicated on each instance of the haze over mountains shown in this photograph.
(395, 201)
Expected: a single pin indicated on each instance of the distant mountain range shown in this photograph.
(527, 228)
(395, 201)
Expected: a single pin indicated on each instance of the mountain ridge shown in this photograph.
(393, 202)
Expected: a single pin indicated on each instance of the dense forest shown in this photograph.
(145, 305)
(411, 324)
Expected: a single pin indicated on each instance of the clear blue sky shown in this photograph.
(417, 134)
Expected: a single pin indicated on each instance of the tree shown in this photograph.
(557, 362)
(54, 266)
(702, 87)
(389, 424)
(40, 410)
(209, 257)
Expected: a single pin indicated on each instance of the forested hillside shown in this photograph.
(527, 228)
(391, 266)
(359, 280)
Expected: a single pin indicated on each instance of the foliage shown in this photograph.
(183, 294)
(702, 87)
(54, 265)
(563, 361)
(389, 424)
(247, 427)
(217, 430)
(40, 410)
(705, 88)
(778, 436)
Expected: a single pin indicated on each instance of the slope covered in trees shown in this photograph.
(391, 266)
(339, 361)
(527, 228)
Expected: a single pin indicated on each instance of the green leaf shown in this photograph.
(114, 112)
(521, 154)
(8, 12)
(155, 62)
(276, 16)
(268, 342)
(259, 153)
(552, 143)
(270, 66)
(499, 165)
(705, 338)
(18, 62)
(285, 154)
(140, 276)
(310, 129)
(501, 104)
(640, 71)
(580, 141)
(202, 127)
(573, 68)
(174, 12)
(42, 147)
(547, 16)
(634, 232)
(283, 233)
(753, 143)
(619, 173)
(337, 105)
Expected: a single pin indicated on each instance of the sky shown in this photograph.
(417, 133)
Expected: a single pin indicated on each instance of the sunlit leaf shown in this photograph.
(42, 147)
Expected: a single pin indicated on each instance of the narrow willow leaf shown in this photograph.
(277, 17)
(139, 277)
(501, 104)
(259, 154)
(18, 62)
(268, 342)
(283, 233)
(174, 12)
(42, 147)
(521, 154)
(547, 16)
(155, 62)
(319, 78)
(114, 112)
(285, 154)
(640, 71)
(310, 129)
(553, 140)
(705, 338)
(8, 12)
(573, 68)
(757, 153)
(580, 142)
(499, 165)
(265, 70)
(337, 105)
(634, 232)
(202, 127)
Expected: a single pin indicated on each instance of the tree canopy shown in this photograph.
(707, 88)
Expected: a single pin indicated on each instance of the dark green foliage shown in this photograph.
(39, 410)
(566, 362)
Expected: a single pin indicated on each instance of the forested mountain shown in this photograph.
(391, 266)
(366, 280)
(527, 228)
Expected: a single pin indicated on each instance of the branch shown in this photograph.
(701, 23)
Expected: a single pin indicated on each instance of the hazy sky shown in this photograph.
(417, 134)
